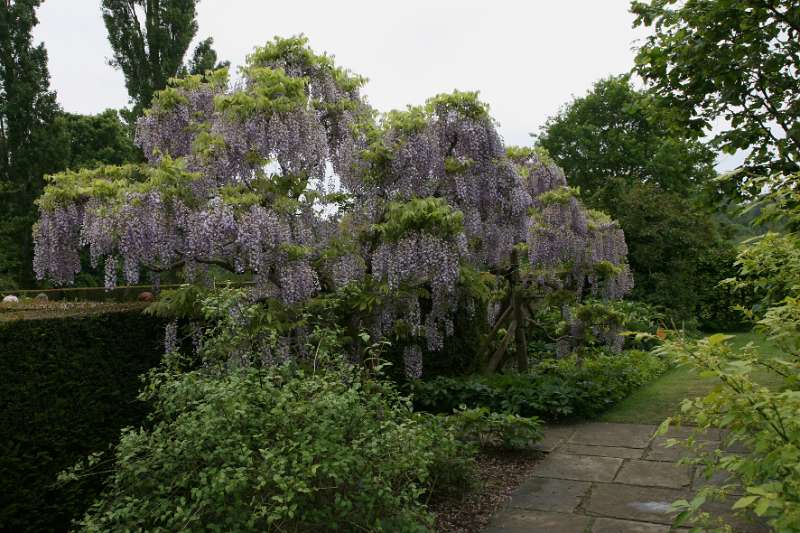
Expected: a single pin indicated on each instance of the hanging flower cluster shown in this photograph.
(234, 179)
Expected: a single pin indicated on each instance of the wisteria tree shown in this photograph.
(289, 178)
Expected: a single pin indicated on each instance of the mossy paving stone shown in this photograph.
(545, 494)
(578, 467)
(613, 525)
(654, 474)
(554, 436)
(602, 451)
(525, 521)
(608, 434)
(645, 504)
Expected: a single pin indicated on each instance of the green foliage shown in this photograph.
(295, 50)
(678, 254)
(32, 142)
(170, 177)
(69, 386)
(272, 91)
(553, 390)
(719, 302)
(463, 103)
(496, 430)
(764, 420)
(431, 215)
(204, 58)
(781, 207)
(274, 450)
(148, 51)
(728, 59)
(558, 196)
(184, 302)
(633, 157)
(616, 131)
(96, 140)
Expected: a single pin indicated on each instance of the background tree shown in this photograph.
(731, 60)
(616, 131)
(149, 39)
(633, 158)
(30, 143)
(94, 140)
(678, 253)
(204, 58)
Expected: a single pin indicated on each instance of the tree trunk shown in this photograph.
(520, 337)
(497, 358)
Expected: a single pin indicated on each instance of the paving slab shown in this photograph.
(547, 494)
(578, 467)
(717, 478)
(603, 451)
(654, 474)
(554, 436)
(684, 432)
(608, 434)
(523, 521)
(612, 525)
(659, 451)
(739, 523)
(644, 504)
(738, 447)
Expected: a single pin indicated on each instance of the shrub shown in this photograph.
(496, 430)
(275, 450)
(69, 385)
(553, 390)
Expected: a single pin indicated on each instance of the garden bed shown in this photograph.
(499, 474)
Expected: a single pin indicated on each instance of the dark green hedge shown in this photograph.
(68, 386)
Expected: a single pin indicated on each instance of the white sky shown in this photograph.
(527, 58)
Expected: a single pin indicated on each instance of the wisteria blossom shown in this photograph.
(286, 177)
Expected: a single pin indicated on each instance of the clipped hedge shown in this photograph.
(69, 385)
(553, 390)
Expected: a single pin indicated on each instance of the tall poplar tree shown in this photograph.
(31, 145)
(149, 39)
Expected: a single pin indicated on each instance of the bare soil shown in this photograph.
(499, 473)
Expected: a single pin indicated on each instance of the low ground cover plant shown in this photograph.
(490, 429)
(552, 390)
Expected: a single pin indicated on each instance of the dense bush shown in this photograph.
(552, 390)
(488, 429)
(69, 385)
(276, 449)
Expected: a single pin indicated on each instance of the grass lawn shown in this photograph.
(662, 398)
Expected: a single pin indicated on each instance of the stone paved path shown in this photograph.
(606, 478)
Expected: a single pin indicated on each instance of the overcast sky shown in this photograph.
(526, 58)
